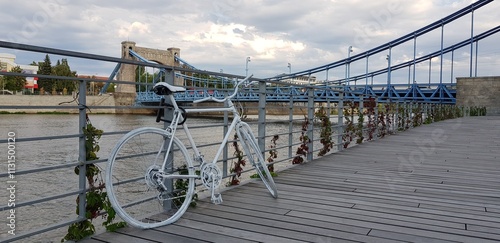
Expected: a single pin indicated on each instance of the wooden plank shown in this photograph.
(461, 215)
(268, 228)
(234, 233)
(182, 228)
(130, 234)
(461, 218)
(300, 230)
(258, 218)
(90, 240)
(366, 215)
(431, 232)
(119, 237)
(405, 237)
(482, 228)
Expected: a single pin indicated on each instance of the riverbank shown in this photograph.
(64, 104)
(124, 104)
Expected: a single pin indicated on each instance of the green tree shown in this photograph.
(15, 83)
(62, 69)
(45, 68)
(142, 76)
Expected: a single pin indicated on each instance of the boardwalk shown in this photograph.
(436, 183)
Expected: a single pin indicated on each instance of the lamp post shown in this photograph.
(246, 69)
(348, 64)
(3, 82)
(389, 74)
(223, 80)
(290, 71)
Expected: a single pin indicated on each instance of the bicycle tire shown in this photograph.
(130, 179)
(254, 155)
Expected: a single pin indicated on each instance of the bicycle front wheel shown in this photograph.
(254, 155)
(136, 186)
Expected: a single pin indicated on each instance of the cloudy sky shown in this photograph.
(220, 34)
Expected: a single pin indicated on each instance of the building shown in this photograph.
(8, 61)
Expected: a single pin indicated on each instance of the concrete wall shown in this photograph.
(481, 92)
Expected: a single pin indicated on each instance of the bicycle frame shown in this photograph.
(177, 116)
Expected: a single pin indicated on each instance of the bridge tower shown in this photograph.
(127, 92)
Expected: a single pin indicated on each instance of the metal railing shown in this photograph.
(36, 208)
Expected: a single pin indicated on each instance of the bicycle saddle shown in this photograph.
(162, 88)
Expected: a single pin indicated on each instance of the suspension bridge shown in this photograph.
(386, 87)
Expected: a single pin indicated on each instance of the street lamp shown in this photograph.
(246, 69)
(348, 64)
(223, 80)
(290, 71)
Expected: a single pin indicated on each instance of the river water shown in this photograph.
(55, 152)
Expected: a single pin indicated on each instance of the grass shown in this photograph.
(53, 112)
(8, 112)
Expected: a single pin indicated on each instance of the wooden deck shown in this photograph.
(435, 183)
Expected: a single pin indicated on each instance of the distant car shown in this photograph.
(6, 92)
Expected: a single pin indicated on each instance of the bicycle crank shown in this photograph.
(211, 177)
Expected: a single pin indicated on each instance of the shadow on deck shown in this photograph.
(435, 183)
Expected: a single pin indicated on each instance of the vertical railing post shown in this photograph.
(411, 116)
(361, 105)
(340, 120)
(310, 117)
(375, 121)
(262, 117)
(388, 116)
(169, 184)
(396, 118)
(290, 127)
(225, 150)
(82, 122)
(360, 113)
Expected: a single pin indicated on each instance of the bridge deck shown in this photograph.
(401, 188)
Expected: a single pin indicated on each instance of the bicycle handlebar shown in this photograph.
(211, 98)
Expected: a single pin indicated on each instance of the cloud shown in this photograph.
(134, 28)
(220, 34)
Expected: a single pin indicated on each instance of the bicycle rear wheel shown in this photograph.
(137, 192)
(254, 155)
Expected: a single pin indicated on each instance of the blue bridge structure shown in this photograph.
(279, 89)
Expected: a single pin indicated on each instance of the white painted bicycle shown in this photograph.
(150, 178)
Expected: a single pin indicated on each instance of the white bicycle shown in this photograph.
(150, 178)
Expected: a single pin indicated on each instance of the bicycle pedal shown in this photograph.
(217, 198)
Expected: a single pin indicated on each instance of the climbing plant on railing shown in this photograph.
(359, 129)
(387, 119)
(350, 129)
(97, 202)
(382, 121)
(477, 111)
(238, 165)
(402, 114)
(370, 105)
(303, 148)
(273, 153)
(429, 114)
(325, 132)
(417, 115)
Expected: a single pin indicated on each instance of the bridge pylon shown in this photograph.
(128, 92)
